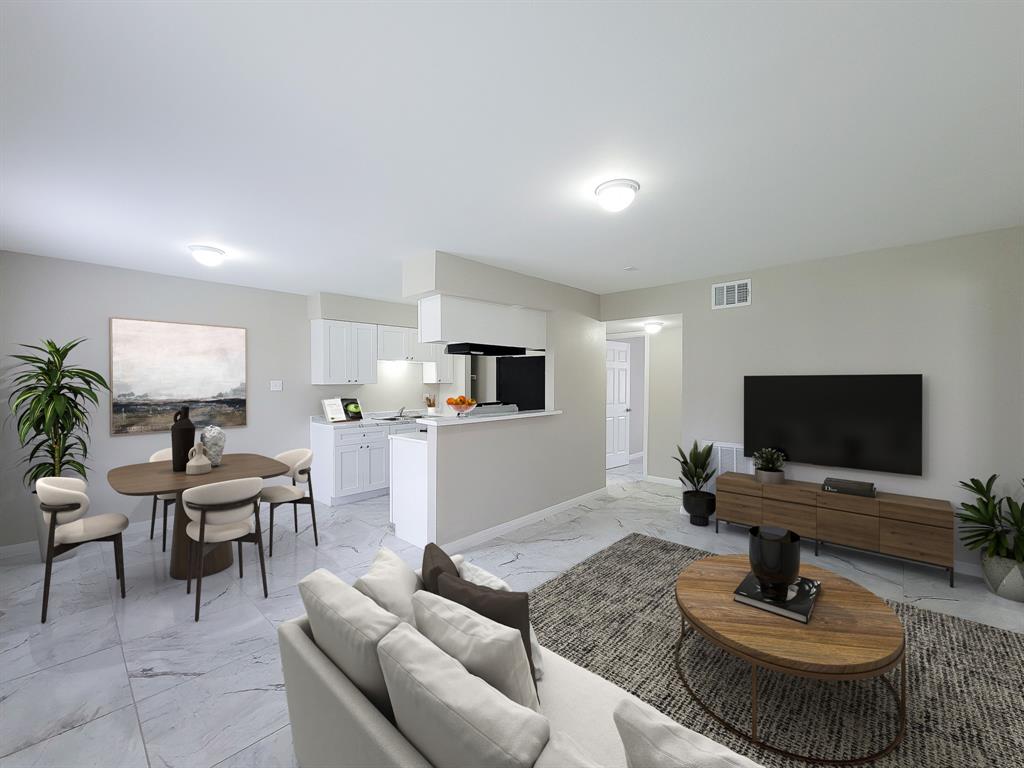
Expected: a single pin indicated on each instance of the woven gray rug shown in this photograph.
(615, 614)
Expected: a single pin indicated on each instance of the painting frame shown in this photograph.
(118, 429)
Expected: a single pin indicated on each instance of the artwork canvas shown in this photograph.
(157, 367)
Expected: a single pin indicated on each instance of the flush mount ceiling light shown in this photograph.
(207, 255)
(653, 327)
(617, 194)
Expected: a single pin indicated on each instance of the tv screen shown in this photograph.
(859, 422)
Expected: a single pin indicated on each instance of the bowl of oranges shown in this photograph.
(461, 404)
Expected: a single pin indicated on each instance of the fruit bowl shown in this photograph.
(461, 404)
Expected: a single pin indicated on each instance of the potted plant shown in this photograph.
(695, 471)
(768, 464)
(50, 401)
(998, 534)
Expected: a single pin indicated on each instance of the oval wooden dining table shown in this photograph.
(157, 477)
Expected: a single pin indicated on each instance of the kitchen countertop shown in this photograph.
(416, 437)
(451, 421)
(365, 422)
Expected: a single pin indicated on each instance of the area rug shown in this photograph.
(616, 615)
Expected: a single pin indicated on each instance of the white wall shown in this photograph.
(952, 310)
(50, 298)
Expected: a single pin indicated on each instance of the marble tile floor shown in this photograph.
(135, 682)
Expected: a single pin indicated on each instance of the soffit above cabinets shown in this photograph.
(453, 319)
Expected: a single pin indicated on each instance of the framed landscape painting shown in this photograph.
(157, 367)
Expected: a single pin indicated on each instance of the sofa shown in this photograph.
(335, 724)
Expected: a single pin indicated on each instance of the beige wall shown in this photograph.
(952, 310)
(334, 306)
(665, 406)
(41, 298)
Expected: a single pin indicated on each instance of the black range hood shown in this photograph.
(489, 350)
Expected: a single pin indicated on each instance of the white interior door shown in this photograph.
(617, 405)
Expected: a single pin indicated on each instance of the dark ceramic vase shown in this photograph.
(699, 505)
(183, 437)
(775, 560)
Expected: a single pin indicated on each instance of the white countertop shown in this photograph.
(451, 421)
(365, 422)
(416, 437)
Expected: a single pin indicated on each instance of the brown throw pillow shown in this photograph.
(509, 608)
(436, 562)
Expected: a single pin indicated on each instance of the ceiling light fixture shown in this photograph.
(617, 194)
(207, 255)
(653, 326)
(629, 269)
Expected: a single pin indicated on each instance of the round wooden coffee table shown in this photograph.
(852, 635)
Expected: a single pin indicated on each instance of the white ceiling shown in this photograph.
(324, 143)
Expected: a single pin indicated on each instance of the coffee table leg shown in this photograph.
(753, 701)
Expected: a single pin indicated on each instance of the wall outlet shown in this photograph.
(276, 385)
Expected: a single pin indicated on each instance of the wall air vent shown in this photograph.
(727, 457)
(734, 294)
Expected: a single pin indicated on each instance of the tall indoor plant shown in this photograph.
(50, 401)
(695, 471)
(998, 533)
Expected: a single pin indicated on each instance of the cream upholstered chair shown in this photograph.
(220, 512)
(298, 461)
(63, 504)
(164, 454)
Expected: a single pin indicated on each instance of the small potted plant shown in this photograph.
(695, 471)
(998, 533)
(768, 464)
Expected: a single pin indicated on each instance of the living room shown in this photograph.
(377, 353)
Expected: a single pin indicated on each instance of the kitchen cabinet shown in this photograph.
(342, 352)
(396, 343)
(442, 369)
(351, 460)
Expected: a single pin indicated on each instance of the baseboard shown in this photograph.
(661, 480)
(637, 455)
(502, 528)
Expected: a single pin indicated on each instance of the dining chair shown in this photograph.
(164, 454)
(219, 512)
(63, 504)
(298, 461)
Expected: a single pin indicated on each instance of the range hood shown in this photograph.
(488, 350)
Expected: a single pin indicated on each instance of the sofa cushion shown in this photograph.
(505, 607)
(436, 562)
(391, 583)
(347, 626)
(484, 647)
(477, 575)
(652, 740)
(454, 718)
(562, 751)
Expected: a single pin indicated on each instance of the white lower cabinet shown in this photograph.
(347, 477)
(351, 461)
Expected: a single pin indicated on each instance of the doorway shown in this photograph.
(626, 367)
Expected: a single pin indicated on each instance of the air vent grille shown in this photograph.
(727, 457)
(733, 294)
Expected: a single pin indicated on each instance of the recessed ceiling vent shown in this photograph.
(734, 294)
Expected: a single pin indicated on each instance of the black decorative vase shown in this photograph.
(775, 560)
(699, 505)
(183, 437)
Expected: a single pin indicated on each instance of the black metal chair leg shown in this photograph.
(271, 530)
(259, 545)
(199, 558)
(152, 519)
(312, 513)
(295, 510)
(240, 559)
(188, 568)
(46, 580)
(167, 503)
(119, 556)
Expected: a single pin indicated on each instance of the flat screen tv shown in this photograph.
(859, 422)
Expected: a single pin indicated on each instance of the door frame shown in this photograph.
(647, 382)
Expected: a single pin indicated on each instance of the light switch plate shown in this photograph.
(276, 385)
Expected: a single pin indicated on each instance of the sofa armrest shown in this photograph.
(333, 724)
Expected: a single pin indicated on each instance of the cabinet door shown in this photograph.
(375, 459)
(362, 353)
(337, 340)
(392, 343)
(442, 370)
(420, 352)
(347, 469)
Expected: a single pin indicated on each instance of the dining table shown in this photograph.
(158, 477)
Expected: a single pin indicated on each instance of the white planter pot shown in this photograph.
(1004, 576)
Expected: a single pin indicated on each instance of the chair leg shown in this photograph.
(188, 571)
(259, 546)
(119, 556)
(295, 514)
(167, 503)
(271, 530)
(312, 513)
(199, 559)
(152, 519)
(240, 559)
(46, 580)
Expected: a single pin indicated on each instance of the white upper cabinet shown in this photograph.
(396, 343)
(453, 319)
(442, 370)
(342, 352)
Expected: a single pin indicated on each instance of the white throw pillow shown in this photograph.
(347, 626)
(391, 583)
(477, 575)
(484, 647)
(563, 752)
(653, 740)
(454, 718)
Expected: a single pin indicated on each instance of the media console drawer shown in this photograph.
(794, 517)
(862, 505)
(737, 508)
(915, 541)
(848, 528)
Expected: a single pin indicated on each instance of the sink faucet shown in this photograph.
(400, 412)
